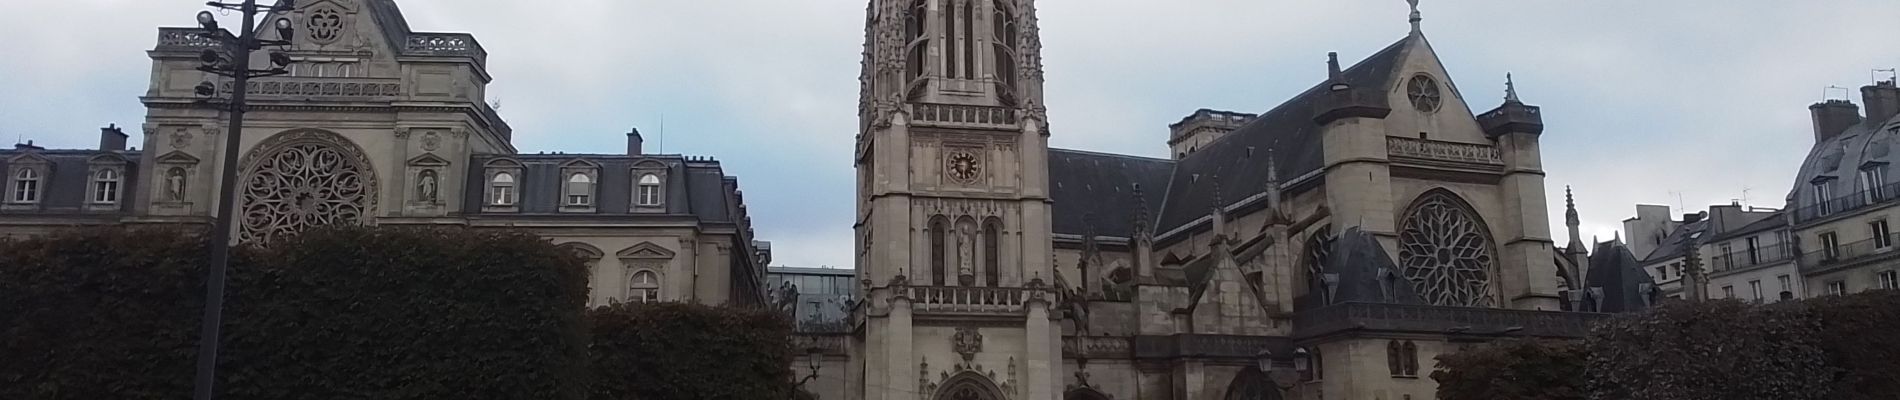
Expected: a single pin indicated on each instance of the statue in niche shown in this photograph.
(966, 255)
(426, 186)
(175, 184)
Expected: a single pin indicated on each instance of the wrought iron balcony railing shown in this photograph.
(1849, 253)
(1883, 194)
(1743, 259)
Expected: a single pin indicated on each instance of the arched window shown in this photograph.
(649, 190)
(1410, 359)
(992, 247)
(1003, 42)
(105, 187)
(644, 287)
(502, 189)
(917, 39)
(1446, 251)
(1394, 353)
(939, 262)
(580, 189)
(950, 47)
(26, 186)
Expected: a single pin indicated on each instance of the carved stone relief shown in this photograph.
(302, 179)
(968, 341)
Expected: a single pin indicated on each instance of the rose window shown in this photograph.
(1446, 252)
(1423, 91)
(1318, 248)
(302, 183)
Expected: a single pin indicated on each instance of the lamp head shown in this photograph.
(208, 21)
(283, 29)
(1263, 360)
(279, 59)
(209, 56)
(205, 89)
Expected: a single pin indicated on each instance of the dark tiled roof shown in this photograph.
(1358, 259)
(1614, 269)
(1087, 185)
(1772, 222)
(1288, 130)
(64, 189)
(1677, 243)
(692, 187)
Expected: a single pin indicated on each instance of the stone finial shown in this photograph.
(1334, 74)
(1416, 16)
(1140, 224)
(1510, 89)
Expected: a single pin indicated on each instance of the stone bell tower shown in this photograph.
(953, 218)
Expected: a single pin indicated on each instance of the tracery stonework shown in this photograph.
(302, 179)
(1446, 252)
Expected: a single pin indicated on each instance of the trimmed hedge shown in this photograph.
(1513, 369)
(357, 313)
(689, 351)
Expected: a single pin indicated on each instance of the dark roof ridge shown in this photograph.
(1106, 154)
(1290, 101)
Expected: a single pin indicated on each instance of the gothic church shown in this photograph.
(1327, 248)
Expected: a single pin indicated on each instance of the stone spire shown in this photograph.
(1142, 240)
(1218, 214)
(1140, 225)
(1571, 220)
(1416, 16)
(1510, 89)
(1275, 215)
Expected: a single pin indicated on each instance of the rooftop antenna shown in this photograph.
(1892, 75)
(1831, 88)
(662, 133)
(1680, 205)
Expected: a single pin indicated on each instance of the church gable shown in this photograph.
(1425, 101)
(1226, 303)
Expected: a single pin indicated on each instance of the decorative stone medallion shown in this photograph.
(431, 141)
(181, 138)
(325, 25)
(967, 342)
(1424, 93)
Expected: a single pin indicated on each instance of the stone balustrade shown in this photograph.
(1442, 320)
(969, 300)
(961, 116)
(185, 39)
(445, 45)
(1120, 347)
(1453, 152)
(301, 87)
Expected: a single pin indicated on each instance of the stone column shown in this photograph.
(1044, 350)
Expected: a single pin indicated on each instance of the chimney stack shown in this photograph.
(1883, 100)
(1832, 117)
(111, 138)
(634, 141)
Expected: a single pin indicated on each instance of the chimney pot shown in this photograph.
(1832, 117)
(634, 142)
(111, 138)
(1883, 100)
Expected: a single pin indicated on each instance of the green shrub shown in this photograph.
(343, 313)
(1513, 370)
(1716, 350)
(687, 351)
(1860, 334)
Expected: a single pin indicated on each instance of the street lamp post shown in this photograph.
(235, 63)
(812, 355)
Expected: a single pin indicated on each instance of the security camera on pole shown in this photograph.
(231, 60)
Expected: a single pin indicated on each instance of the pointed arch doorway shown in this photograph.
(969, 386)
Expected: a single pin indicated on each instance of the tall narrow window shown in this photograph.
(992, 241)
(1727, 255)
(1754, 250)
(105, 187)
(1830, 246)
(1754, 287)
(1890, 280)
(26, 186)
(650, 190)
(502, 189)
(917, 42)
(1003, 53)
(1872, 183)
(1728, 292)
(1823, 195)
(950, 40)
(939, 265)
(645, 287)
(1882, 237)
(968, 41)
(1836, 288)
(580, 190)
(1787, 284)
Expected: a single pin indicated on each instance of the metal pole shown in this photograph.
(221, 230)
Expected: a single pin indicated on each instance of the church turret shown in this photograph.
(1516, 128)
(1352, 122)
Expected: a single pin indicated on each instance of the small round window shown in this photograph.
(1423, 90)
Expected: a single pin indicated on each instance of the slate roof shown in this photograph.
(1097, 186)
(1358, 259)
(1772, 222)
(1841, 158)
(65, 188)
(1288, 130)
(1614, 269)
(692, 187)
(1676, 243)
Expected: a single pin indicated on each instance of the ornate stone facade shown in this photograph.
(1346, 237)
(377, 124)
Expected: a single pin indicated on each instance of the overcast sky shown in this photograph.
(1691, 102)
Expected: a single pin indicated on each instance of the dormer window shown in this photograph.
(1873, 178)
(649, 190)
(580, 190)
(26, 186)
(105, 186)
(501, 189)
(1823, 195)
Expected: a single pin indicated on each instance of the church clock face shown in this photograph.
(962, 166)
(1423, 91)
